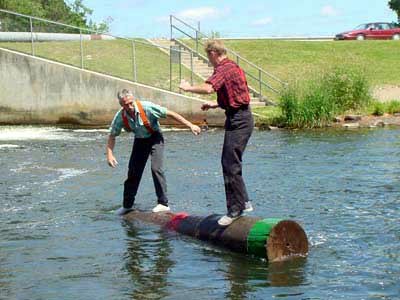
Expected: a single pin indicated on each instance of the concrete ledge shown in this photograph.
(38, 91)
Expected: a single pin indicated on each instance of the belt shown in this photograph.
(232, 111)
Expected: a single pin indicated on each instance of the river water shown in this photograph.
(61, 239)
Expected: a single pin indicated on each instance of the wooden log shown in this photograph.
(273, 239)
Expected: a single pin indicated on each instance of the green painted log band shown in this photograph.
(258, 236)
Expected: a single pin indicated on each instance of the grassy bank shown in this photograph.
(114, 58)
(291, 60)
(297, 62)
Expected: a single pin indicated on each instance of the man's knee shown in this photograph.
(156, 169)
(232, 168)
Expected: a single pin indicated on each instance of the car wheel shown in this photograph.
(360, 37)
(396, 37)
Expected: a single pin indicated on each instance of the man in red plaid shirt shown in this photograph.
(229, 82)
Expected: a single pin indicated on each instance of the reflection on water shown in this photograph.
(60, 237)
(148, 262)
(246, 274)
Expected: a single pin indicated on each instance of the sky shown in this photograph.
(238, 18)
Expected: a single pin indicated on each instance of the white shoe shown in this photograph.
(227, 220)
(122, 211)
(248, 207)
(160, 208)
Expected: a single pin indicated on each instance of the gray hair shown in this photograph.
(122, 94)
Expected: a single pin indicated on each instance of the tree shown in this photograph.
(75, 14)
(395, 6)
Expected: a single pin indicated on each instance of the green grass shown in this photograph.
(296, 62)
(288, 60)
(293, 60)
(112, 58)
(268, 115)
(300, 60)
(380, 108)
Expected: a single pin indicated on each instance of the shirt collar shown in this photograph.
(224, 61)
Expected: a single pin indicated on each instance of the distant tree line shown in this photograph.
(395, 6)
(73, 13)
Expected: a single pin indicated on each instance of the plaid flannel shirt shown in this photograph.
(229, 81)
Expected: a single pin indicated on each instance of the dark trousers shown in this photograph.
(239, 125)
(141, 150)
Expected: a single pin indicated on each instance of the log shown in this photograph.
(271, 238)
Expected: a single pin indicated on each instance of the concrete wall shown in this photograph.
(38, 91)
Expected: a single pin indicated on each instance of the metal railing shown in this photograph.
(172, 62)
(249, 68)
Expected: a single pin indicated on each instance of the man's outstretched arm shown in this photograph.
(194, 128)
(112, 162)
(204, 88)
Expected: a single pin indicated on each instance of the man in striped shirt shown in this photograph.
(229, 82)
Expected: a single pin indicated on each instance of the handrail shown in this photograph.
(191, 50)
(190, 26)
(188, 35)
(241, 58)
(85, 31)
(229, 50)
(262, 82)
(235, 54)
(247, 73)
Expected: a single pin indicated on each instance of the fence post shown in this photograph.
(197, 41)
(170, 67)
(170, 26)
(259, 79)
(80, 35)
(191, 67)
(180, 67)
(32, 46)
(237, 60)
(134, 61)
(197, 36)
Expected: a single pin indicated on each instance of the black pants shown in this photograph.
(141, 150)
(239, 125)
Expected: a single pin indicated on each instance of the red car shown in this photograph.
(371, 31)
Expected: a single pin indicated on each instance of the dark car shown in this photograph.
(371, 31)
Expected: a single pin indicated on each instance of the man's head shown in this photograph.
(125, 98)
(215, 50)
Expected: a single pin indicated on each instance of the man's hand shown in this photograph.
(112, 162)
(195, 129)
(184, 85)
(206, 106)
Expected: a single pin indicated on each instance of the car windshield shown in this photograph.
(362, 26)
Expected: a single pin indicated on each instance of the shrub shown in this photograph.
(348, 88)
(393, 107)
(315, 102)
(379, 109)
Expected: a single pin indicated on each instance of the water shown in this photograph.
(60, 237)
